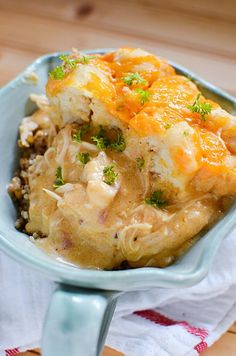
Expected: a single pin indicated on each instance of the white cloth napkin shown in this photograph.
(158, 322)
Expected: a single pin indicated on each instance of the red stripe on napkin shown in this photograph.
(202, 346)
(160, 319)
(12, 352)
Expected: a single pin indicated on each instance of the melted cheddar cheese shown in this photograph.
(170, 94)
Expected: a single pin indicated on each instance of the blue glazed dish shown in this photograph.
(85, 299)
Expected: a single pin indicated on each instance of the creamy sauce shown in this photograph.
(65, 239)
(83, 234)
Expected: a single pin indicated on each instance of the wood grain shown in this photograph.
(110, 15)
(107, 352)
(29, 33)
(202, 8)
(13, 61)
(213, 9)
(232, 330)
(226, 346)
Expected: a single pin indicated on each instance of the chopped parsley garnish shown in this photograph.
(57, 73)
(109, 175)
(80, 133)
(59, 179)
(68, 63)
(134, 77)
(86, 59)
(100, 142)
(185, 133)
(71, 62)
(140, 163)
(83, 157)
(101, 139)
(201, 108)
(119, 144)
(144, 95)
(156, 199)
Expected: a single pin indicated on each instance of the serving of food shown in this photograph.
(124, 164)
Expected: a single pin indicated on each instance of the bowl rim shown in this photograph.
(97, 278)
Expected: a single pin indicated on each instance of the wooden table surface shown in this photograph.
(198, 34)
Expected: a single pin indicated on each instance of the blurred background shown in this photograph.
(200, 34)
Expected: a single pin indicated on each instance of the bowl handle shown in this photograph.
(77, 321)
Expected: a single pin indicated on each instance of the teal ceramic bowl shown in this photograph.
(81, 308)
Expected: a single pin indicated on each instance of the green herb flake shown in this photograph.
(57, 73)
(72, 61)
(101, 140)
(134, 78)
(83, 157)
(109, 176)
(140, 163)
(156, 199)
(186, 133)
(80, 133)
(68, 63)
(144, 95)
(59, 179)
(119, 144)
(202, 108)
(86, 59)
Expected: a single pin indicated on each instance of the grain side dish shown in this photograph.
(124, 163)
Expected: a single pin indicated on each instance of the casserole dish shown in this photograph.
(82, 307)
